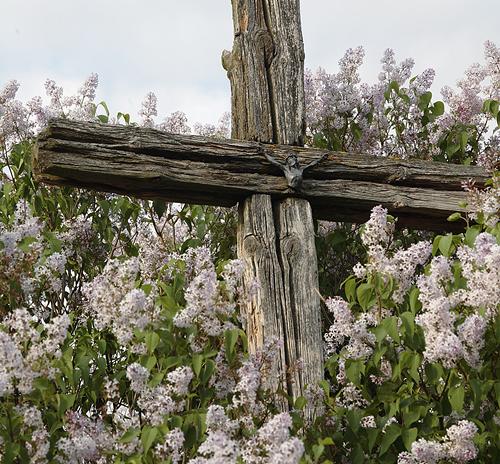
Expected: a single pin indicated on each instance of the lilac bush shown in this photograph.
(395, 116)
(121, 338)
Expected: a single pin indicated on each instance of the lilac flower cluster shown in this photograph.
(446, 341)
(177, 122)
(38, 446)
(457, 446)
(20, 121)
(399, 265)
(387, 118)
(348, 331)
(209, 305)
(161, 400)
(269, 444)
(28, 350)
(87, 441)
(114, 302)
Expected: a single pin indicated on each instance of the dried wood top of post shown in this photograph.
(148, 163)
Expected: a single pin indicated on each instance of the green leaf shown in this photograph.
(497, 392)
(424, 100)
(354, 369)
(230, 340)
(353, 418)
(152, 340)
(438, 108)
(409, 436)
(486, 105)
(415, 304)
(454, 217)
(300, 403)
(464, 138)
(391, 325)
(149, 362)
(494, 106)
(456, 397)
(159, 207)
(445, 244)
(357, 455)
(105, 106)
(410, 417)
(65, 401)
(148, 436)
(408, 320)
(197, 362)
(392, 432)
(365, 294)
(350, 289)
(129, 435)
(471, 234)
(207, 371)
(318, 450)
(373, 434)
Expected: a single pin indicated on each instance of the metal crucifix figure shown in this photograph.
(294, 172)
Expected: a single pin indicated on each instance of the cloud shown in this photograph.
(173, 48)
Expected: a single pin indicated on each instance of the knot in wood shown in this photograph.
(401, 173)
(251, 244)
(292, 246)
(227, 60)
(265, 42)
(399, 204)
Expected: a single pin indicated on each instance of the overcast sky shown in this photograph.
(173, 47)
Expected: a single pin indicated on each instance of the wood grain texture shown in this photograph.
(264, 312)
(266, 71)
(302, 316)
(152, 164)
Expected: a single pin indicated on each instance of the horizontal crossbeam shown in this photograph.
(152, 164)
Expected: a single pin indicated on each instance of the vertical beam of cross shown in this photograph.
(276, 239)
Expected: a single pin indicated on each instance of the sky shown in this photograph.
(173, 47)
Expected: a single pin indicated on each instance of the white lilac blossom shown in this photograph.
(245, 391)
(24, 226)
(176, 123)
(480, 266)
(274, 442)
(458, 443)
(29, 354)
(400, 265)
(220, 131)
(457, 447)
(368, 422)
(87, 440)
(138, 376)
(349, 331)
(179, 379)
(148, 110)
(38, 445)
(350, 397)
(157, 403)
(217, 420)
(217, 448)
(207, 305)
(172, 447)
(445, 340)
(484, 203)
(115, 303)
(269, 444)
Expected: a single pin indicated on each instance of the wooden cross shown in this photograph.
(275, 229)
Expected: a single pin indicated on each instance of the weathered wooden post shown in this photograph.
(276, 239)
